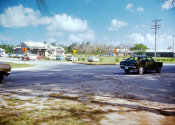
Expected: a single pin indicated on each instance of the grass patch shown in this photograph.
(14, 102)
(16, 65)
(61, 109)
(61, 96)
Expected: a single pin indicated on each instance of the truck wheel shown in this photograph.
(127, 71)
(1, 77)
(141, 70)
(158, 69)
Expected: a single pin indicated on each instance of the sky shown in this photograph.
(111, 22)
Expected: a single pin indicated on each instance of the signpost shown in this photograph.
(74, 51)
(115, 51)
(24, 49)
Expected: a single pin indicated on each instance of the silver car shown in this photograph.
(72, 58)
(93, 59)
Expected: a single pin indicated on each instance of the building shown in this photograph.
(39, 48)
(2, 52)
(124, 52)
(161, 53)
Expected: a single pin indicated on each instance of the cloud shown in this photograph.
(140, 9)
(67, 23)
(136, 37)
(116, 25)
(19, 16)
(163, 40)
(55, 34)
(129, 6)
(51, 40)
(88, 36)
(139, 26)
(168, 4)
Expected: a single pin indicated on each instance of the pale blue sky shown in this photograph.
(107, 21)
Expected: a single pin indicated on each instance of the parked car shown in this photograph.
(25, 58)
(93, 59)
(4, 70)
(39, 57)
(140, 64)
(59, 58)
(19, 55)
(12, 55)
(72, 58)
(52, 57)
(30, 57)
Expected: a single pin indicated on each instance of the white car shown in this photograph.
(93, 59)
(52, 57)
(32, 57)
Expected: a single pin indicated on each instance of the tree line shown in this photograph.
(90, 48)
(7, 47)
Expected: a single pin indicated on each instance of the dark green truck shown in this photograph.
(140, 64)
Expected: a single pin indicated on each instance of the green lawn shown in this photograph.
(16, 65)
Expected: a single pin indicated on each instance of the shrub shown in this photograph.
(117, 60)
(101, 59)
(83, 59)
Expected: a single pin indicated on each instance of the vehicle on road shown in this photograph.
(93, 59)
(59, 58)
(140, 64)
(72, 58)
(4, 70)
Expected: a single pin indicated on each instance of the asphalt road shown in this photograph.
(98, 79)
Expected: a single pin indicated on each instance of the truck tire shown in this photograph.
(1, 77)
(158, 70)
(141, 70)
(127, 71)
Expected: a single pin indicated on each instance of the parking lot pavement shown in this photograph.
(151, 93)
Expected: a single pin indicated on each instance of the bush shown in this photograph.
(79, 59)
(83, 59)
(101, 59)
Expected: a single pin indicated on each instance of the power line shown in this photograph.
(155, 27)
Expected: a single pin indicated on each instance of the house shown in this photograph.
(123, 52)
(39, 48)
(2, 51)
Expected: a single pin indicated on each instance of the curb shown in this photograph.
(96, 63)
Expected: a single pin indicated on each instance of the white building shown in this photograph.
(39, 48)
(161, 53)
(2, 52)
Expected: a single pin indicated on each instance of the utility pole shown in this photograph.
(155, 27)
(173, 46)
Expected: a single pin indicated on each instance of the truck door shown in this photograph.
(150, 64)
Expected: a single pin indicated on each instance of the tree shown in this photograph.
(53, 44)
(8, 48)
(139, 48)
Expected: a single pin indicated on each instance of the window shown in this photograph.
(150, 59)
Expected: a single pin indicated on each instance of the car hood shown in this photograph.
(129, 61)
